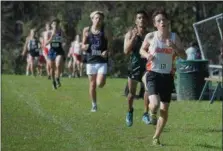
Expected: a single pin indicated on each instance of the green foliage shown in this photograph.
(119, 17)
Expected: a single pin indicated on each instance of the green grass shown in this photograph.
(36, 118)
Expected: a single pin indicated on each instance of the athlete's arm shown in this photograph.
(70, 50)
(144, 50)
(41, 41)
(108, 37)
(39, 44)
(63, 39)
(51, 37)
(128, 42)
(84, 45)
(43, 38)
(178, 48)
(25, 47)
(69, 53)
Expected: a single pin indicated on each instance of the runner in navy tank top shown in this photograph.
(32, 46)
(56, 53)
(95, 44)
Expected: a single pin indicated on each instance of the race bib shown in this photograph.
(37, 50)
(55, 45)
(163, 66)
(96, 52)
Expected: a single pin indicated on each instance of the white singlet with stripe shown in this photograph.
(164, 55)
(76, 48)
(46, 36)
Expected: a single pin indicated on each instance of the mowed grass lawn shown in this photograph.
(34, 117)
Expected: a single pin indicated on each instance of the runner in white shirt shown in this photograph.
(45, 36)
(76, 45)
(160, 48)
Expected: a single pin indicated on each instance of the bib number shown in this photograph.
(162, 66)
(55, 45)
(96, 52)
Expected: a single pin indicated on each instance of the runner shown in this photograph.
(32, 46)
(160, 48)
(95, 43)
(56, 53)
(132, 45)
(45, 36)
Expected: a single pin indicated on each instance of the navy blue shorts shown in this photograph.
(53, 53)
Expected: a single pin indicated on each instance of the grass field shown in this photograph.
(34, 117)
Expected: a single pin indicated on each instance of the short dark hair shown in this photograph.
(194, 44)
(142, 12)
(55, 20)
(159, 11)
(102, 14)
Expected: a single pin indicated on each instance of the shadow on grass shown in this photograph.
(208, 146)
(200, 130)
(206, 130)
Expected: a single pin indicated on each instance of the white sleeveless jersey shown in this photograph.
(164, 55)
(46, 36)
(76, 48)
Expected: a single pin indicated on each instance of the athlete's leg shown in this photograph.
(70, 67)
(92, 91)
(32, 65)
(52, 72)
(28, 64)
(92, 75)
(74, 66)
(81, 68)
(58, 68)
(101, 74)
(152, 88)
(47, 64)
(52, 57)
(164, 107)
(145, 117)
(165, 97)
(132, 85)
(78, 67)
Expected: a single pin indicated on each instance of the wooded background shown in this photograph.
(19, 16)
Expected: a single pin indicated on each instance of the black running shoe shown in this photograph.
(58, 83)
(54, 85)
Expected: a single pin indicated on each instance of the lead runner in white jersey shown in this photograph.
(160, 48)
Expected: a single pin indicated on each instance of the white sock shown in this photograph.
(27, 73)
(94, 103)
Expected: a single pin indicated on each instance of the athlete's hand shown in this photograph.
(86, 34)
(170, 43)
(150, 57)
(23, 54)
(104, 54)
(134, 33)
(84, 47)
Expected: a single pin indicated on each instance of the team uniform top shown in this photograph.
(97, 45)
(76, 48)
(56, 43)
(46, 36)
(164, 56)
(33, 47)
(136, 61)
